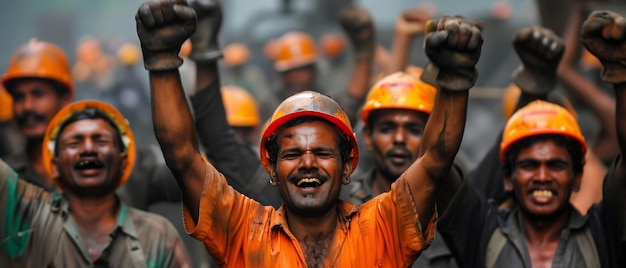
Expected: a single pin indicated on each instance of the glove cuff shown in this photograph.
(534, 83)
(161, 60)
(205, 55)
(429, 75)
(457, 80)
(613, 72)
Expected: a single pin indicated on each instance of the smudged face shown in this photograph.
(543, 179)
(89, 160)
(309, 171)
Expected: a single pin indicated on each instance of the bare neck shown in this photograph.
(94, 213)
(380, 184)
(542, 238)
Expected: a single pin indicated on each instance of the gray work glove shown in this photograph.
(453, 47)
(604, 35)
(204, 42)
(357, 24)
(540, 51)
(162, 27)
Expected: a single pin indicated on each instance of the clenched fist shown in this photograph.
(604, 35)
(453, 47)
(540, 51)
(357, 24)
(162, 27)
(204, 45)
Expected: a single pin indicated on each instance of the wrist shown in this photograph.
(457, 79)
(533, 82)
(613, 72)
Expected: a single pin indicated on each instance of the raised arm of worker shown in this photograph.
(162, 27)
(357, 23)
(409, 25)
(539, 50)
(453, 45)
(604, 35)
(604, 143)
(240, 165)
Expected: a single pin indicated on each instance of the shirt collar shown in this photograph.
(124, 222)
(512, 223)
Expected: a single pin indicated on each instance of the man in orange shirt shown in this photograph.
(309, 150)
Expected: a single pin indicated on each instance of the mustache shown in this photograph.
(30, 115)
(307, 173)
(397, 149)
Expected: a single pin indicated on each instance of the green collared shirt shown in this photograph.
(37, 230)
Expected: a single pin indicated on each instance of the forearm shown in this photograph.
(175, 131)
(399, 53)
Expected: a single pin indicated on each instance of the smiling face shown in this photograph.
(543, 179)
(35, 102)
(394, 138)
(89, 161)
(309, 171)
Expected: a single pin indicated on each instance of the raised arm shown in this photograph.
(453, 45)
(162, 27)
(409, 25)
(604, 35)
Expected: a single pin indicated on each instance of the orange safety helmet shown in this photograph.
(295, 49)
(540, 118)
(236, 54)
(333, 44)
(6, 105)
(39, 59)
(52, 132)
(128, 54)
(241, 107)
(309, 103)
(399, 91)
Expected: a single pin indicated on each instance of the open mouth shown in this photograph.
(542, 194)
(308, 182)
(88, 164)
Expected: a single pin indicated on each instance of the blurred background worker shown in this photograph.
(242, 114)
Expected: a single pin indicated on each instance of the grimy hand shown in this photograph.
(412, 22)
(604, 35)
(204, 42)
(162, 27)
(358, 25)
(540, 51)
(453, 46)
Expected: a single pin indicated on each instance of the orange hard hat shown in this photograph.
(540, 118)
(38, 59)
(88, 50)
(399, 91)
(270, 49)
(128, 54)
(236, 54)
(309, 103)
(332, 44)
(110, 112)
(6, 105)
(295, 49)
(241, 107)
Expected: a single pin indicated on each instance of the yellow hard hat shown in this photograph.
(241, 107)
(128, 54)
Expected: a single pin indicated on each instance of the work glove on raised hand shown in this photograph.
(162, 27)
(540, 51)
(358, 25)
(204, 42)
(453, 47)
(604, 35)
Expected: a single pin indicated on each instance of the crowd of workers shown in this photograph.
(341, 162)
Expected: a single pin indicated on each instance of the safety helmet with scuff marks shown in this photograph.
(309, 103)
(110, 112)
(399, 91)
(540, 118)
(39, 59)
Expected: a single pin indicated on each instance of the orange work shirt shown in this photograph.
(240, 232)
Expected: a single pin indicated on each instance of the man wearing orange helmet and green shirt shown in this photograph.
(309, 150)
(543, 156)
(89, 153)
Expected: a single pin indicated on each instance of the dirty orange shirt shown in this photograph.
(240, 232)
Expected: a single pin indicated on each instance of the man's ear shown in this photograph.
(124, 161)
(345, 173)
(273, 175)
(508, 184)
(54, 168)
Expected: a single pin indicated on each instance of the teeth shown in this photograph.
(542, 193)
(308, 180)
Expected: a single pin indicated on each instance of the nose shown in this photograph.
(399, 136)
(28, 102)
(542, 174)
(87, 147)
(309, 160)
